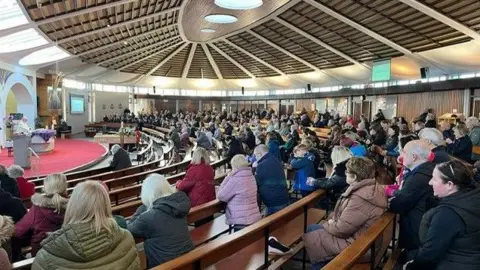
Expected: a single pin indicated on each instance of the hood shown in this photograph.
(79, 242)
(7, 228)
(176, 205)
(5, 196)
(465, 203)
(242, 172)
(368, 190)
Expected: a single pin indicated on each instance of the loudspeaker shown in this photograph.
(424, 72)
(243, 90)
(309, 88)
(154, 89)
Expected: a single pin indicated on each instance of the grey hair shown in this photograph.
(260, 150)
(471, 122)
(432, 135)
(239, 161)
(420, 150)
(15, 171)
(115, 148)
(200, 154)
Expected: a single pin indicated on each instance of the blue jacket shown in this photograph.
(304, 168)
(271, 181)
(274, 148)
(358, 150)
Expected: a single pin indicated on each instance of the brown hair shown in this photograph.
(456, 172)
(362, 167)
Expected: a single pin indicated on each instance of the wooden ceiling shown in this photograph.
(163, 38)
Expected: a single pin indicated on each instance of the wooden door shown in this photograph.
(367, 109)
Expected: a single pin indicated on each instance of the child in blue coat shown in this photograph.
(303, 163)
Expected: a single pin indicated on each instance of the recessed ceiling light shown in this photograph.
(239, 4)
(21, 40)
(43, 56)
(108, 25)
(221, 18)
(125, 43)
(208, 30)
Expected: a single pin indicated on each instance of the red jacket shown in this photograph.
(198, 183)
(40, 220)
(26, 188)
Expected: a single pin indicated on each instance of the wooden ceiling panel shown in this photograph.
(398, 22)
(466, 12)
(201, 67)
(174, 67)
(143, 67)
(337, 34)
(227, 68)
(268, 54)
(300, 46)
(256, 68)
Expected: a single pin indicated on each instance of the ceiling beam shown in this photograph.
(123, 40)
(163, 61)
(272, 15)
(254, 57)
(84, 11)
(442, 18)
(136, 51)
(360, 28)
(114, 26)
(143, 59)
(186, 68)
(317, 41)
(270, 43)
(212, 61)
(226, 56)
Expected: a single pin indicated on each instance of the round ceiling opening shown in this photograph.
(239, 4)
(221, 18)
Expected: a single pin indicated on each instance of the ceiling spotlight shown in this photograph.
(208, 30)
(239, 5)
(221, 18)
(108, 25)
(125, 43)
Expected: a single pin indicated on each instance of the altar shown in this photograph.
(43, 140)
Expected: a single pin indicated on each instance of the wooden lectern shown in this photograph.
(21, 143)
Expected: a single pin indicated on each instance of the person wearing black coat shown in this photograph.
(228, 129)
(121, 159)
(234, 147)
(249, 139)
(162, 222)
(462, 146)
(7, 183)
(450, 232)
(410, 200)
(11, 206)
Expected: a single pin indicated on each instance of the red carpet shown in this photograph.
(67, 155)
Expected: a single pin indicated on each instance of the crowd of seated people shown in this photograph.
(436, 182)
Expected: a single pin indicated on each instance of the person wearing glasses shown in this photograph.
(411, 199)
(450, 232)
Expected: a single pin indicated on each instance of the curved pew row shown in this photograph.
(104, 171)
(248, 248)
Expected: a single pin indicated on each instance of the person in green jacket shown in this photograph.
(89, 238)
(473, 126)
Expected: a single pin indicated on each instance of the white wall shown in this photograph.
(77, 121)
(104, 102)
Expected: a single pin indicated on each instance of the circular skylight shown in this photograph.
(221, 18)
(208, 30)
(239, 4)
(46, 55)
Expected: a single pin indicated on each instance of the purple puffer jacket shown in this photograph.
(239, 191)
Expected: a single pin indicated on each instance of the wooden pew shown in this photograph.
(248, 248)
(381, 231)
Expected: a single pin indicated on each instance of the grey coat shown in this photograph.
(164, 228)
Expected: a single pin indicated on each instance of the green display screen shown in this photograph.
(381, 70)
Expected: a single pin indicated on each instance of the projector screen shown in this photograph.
(77, 104)
(381, 70)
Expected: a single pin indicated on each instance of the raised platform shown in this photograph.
(67, 155)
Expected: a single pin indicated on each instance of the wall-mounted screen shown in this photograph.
(381, 70)
(77, 104)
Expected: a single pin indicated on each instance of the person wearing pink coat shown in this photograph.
(239, 191)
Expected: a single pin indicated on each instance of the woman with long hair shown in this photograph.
(89, 238)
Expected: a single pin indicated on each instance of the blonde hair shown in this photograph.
(340, 154)
(90, 203)
(155, 186)
(15, 171)
(55, 185)
(239, 161)
(308, 143)
(200, 154)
